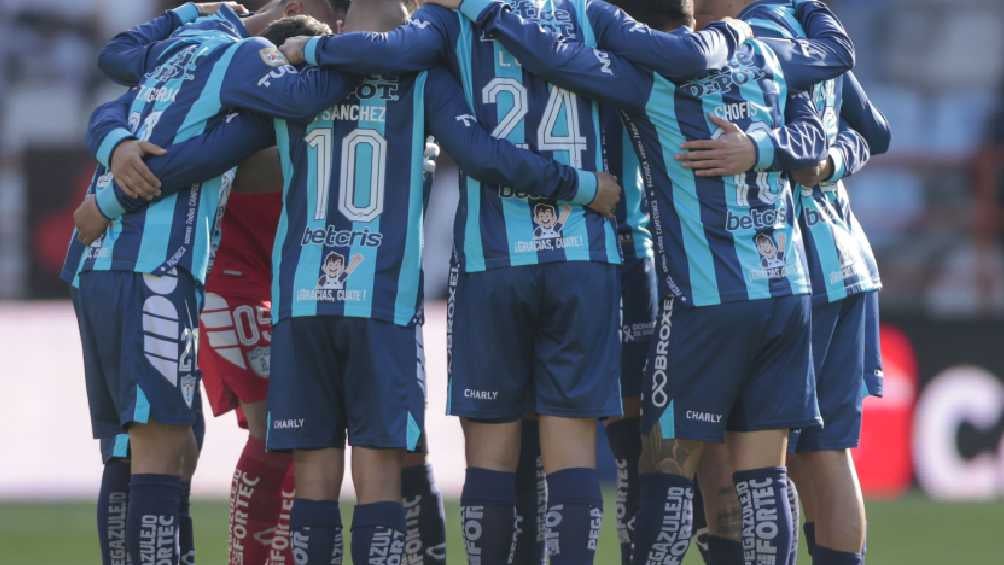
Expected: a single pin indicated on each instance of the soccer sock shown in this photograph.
(665, 519)
(282, 543)
(186, 533)
(487, 515)
(317, 532)
(826, 556)
(113, 501)
(378, 533)
(425, 538)
(809, 529)
(766, 526)
(152, 531)
(574, 516)
(625, 442)
(701, 535)
(255, 503)
(793, 505)
(531, 499)
(724, 551)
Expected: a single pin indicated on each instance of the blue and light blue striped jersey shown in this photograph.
(841, 259)
(501, 227)
(349, 239)
(186, 82)
(717, 240)
(621, 160)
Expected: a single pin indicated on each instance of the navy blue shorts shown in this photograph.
(848, 362)
(334, 377)
(139, 335)
(541, 338)
(118, 447)
(639, 308)
(741, 366)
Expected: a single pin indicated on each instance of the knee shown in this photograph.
(670, 456)
(319, 474)
(493, 446)
(160, 448)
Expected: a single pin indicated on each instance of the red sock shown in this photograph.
(255, 504)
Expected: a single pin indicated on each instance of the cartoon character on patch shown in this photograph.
(336, 272)
(771, 252)
(547, 223)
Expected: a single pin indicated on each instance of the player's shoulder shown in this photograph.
(254, 49)
(434, 15)
(773, 19)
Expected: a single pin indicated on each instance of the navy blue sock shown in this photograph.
(425, 518)
(793, 506)
(702, 536)
(809, 529)
(724, 551)
(316, 530)
(487, 515)
(378, 533)
(574, 516)
(665, 519)
(531, 499)
(766, 516)
(625, 442)
(113, 502)
(826, 556)
(152, 531)
(186, 533)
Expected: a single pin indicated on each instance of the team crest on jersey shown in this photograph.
(272, 57)
(771, 250)
(259, 359)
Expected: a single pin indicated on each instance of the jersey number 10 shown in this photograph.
(367, 181)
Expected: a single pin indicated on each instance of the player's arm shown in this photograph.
(825, 53)
(799, 144)
(126, 58)
(848, 154)
(865, 117)
(259, 79)
(499, 162)
(419, 44)
(201, 158)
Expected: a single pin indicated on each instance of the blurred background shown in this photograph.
(932, 456)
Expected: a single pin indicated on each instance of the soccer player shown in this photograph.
(846, 282)
(139, 285)
(711, 239)
(390, 304)
(533, 298)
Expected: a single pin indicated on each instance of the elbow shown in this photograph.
(880, 143)
(108, 62)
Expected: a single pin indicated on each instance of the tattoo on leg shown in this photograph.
(729, 514)
(670, 456)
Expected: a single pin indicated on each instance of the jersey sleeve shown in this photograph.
(497, 161)
(260, 79)
(865, 117)
(415, 46)
(206, 156)
(681, 54)
(800, 143)
(824, 53)
(569, 64)
(126, 58)
(849, 153)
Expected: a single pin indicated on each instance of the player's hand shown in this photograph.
(130, 171)
(732, 153)
(207, 8)
(814, 175)
(742, 29)
(89, 221)
(293, 49)
(608, 194)
(451, 4)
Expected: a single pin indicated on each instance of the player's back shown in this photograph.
(729, 238)
(175, 101)
(350, 235)
(516, 105)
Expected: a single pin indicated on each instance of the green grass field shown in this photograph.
(912, 531)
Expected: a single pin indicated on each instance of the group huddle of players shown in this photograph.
(652, 232)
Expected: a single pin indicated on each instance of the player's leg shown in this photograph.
(639, 309)
(531, 497)
(491, 345)
(720, 507)
(577, 365)
(186, 529)
(779, 395)
(425, 518)
(803, 480)
(305, 415)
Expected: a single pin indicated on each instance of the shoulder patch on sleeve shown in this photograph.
(272, 57)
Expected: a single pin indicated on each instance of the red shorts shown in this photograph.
(234, 352)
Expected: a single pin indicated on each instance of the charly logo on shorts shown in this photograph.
(170, 343)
